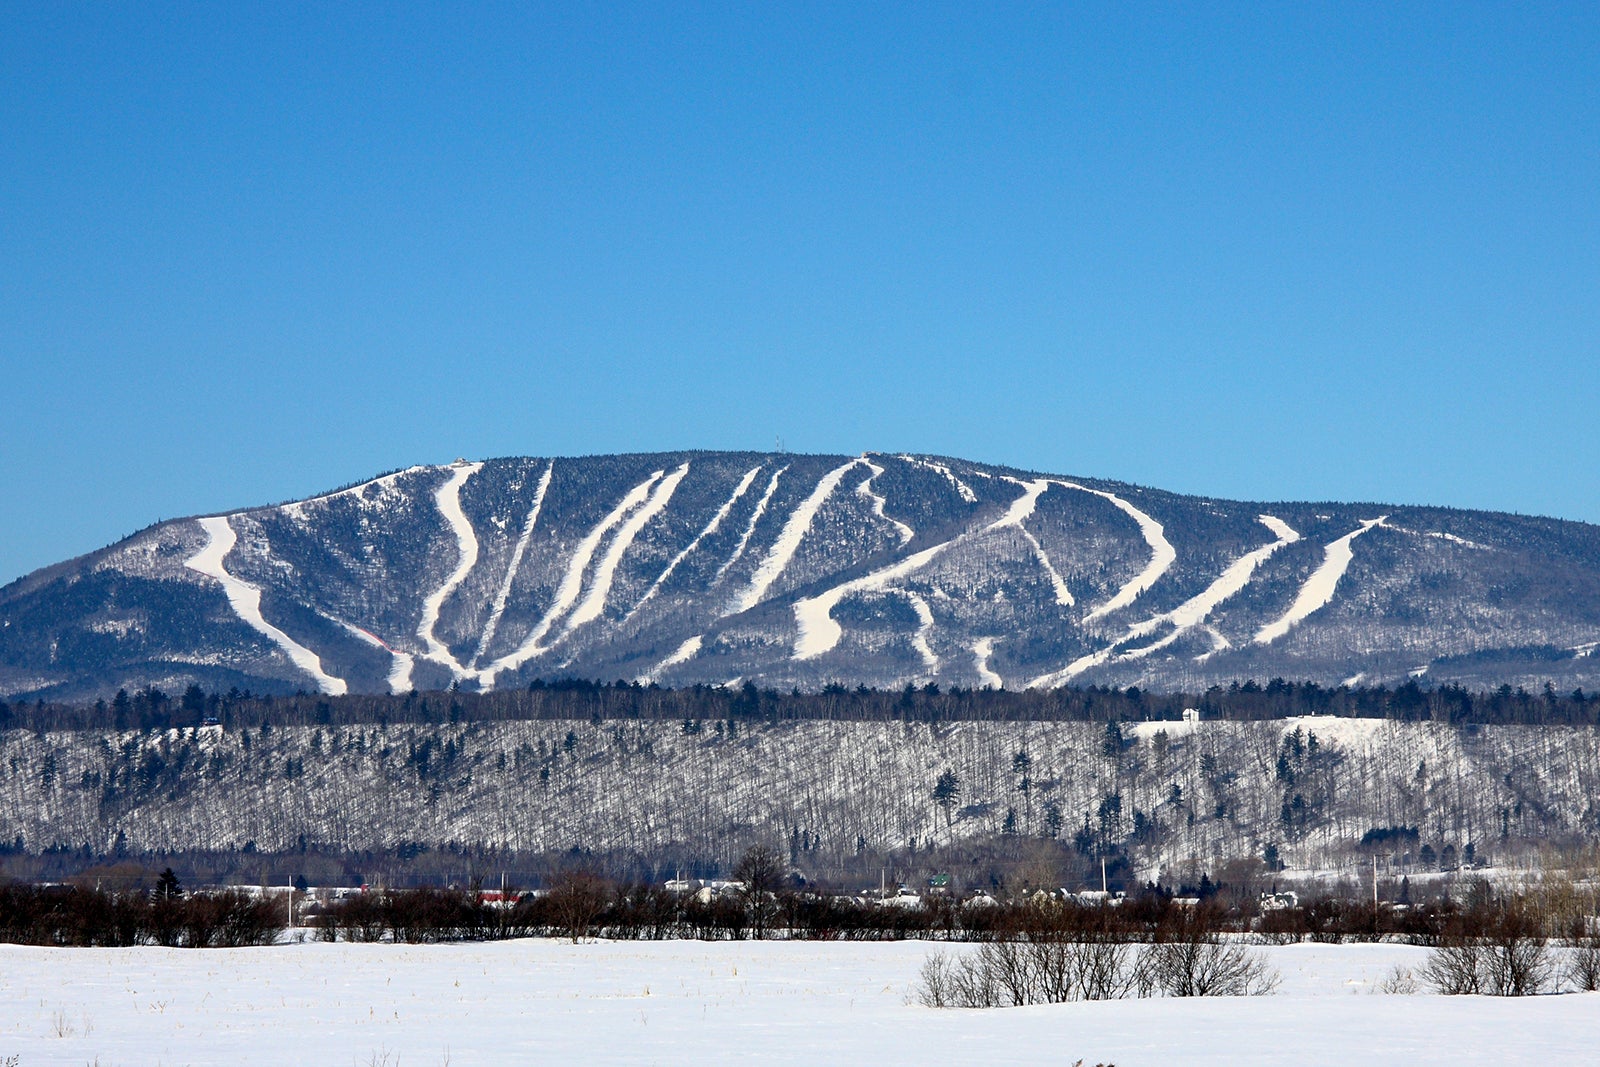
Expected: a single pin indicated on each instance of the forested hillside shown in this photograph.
(1311, 791)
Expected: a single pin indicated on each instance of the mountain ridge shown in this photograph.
(798, 570)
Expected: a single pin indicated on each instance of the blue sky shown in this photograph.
(1272, 252)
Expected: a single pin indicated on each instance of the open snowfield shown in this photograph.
(693, 1002)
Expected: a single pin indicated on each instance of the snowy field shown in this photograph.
(693, 1002)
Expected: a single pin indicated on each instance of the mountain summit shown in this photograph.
(791, 570)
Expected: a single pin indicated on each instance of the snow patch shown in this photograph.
(246, 601)
(1319, 588)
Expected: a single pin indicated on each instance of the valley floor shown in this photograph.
(691, 1002)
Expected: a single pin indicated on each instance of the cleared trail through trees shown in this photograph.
(245, 600)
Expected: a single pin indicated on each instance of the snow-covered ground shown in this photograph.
(693, 1002)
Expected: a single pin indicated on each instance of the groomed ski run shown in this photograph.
(1319, 588)
(448, 500)
(246, 601)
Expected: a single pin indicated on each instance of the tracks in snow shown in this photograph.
(245, 599)
(1319, 588)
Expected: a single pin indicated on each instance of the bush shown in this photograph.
(1044, 971)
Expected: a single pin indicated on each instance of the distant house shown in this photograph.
(1280, 901)
(1191, 714)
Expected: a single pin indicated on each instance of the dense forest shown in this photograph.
(580, 699)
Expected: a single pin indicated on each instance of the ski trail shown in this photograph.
(814, 615)
(738, 552)
(819, 633)
(246, 601)
(750, 527)
(710, 528)
(788, 542)
(925, 620)
(498, 608)
(1318, 589)
(1193, 611)
(1162, 554)
(595, 603)
(404, 662)
(448, 499)
(1020, 509)
(982, 649)
(864, 490)
(571, 583)
(296, 509)
(1184, 617)
(963, 490)
(686, 651)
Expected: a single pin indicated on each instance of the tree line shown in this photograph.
(151, 708)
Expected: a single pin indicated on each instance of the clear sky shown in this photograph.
(1279, 251)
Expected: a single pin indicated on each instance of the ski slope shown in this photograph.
(982, 649)
(750, 527)
(498, 608)
(1319, 588)
(1162, 554)
(572, 581)
(245, 599)
(1016, 517)
(963, 490)
(789, 538)
(708, 530)
(448, 500)
(600, 589)
(865, 490)
(1184, 617)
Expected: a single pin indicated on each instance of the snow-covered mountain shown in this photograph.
(796, 570)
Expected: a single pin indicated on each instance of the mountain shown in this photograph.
(794, 570)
